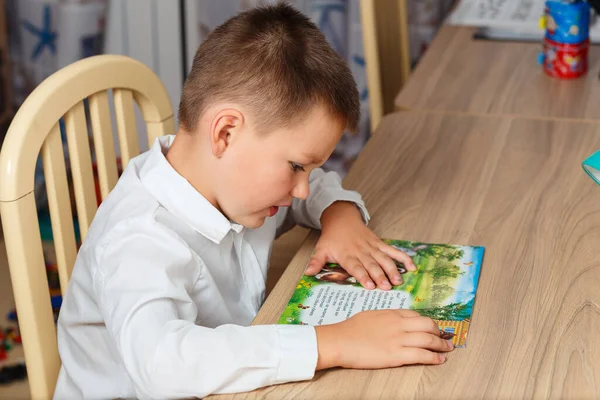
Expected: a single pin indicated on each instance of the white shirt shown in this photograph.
(165, 286)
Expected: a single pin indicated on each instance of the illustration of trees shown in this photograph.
(449, 312)
(440, 292)
(445, 271)
(447, 251)
(442, 251)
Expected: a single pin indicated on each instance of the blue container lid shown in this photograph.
(570, 20)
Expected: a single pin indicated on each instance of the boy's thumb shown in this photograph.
(315, 264)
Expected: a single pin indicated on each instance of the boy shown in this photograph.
(173, 268)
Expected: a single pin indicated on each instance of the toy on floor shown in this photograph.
(12, 373)
(9, 337)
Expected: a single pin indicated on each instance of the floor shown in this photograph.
(284, 249)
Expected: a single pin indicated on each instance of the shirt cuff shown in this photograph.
(299, 353)
(327, 197)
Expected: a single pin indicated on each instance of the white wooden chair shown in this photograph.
(35, 128)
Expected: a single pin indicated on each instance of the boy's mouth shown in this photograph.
(273, 209)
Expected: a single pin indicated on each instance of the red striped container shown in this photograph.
(565, 61)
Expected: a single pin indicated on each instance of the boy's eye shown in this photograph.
(296, 167)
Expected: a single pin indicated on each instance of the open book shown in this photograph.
(443, 288)
(591, 166)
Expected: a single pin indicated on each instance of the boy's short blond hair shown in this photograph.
(275, 61)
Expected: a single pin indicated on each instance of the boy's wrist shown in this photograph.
(327, 346)
(339, 210)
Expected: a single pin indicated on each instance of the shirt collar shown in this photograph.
(179, 197)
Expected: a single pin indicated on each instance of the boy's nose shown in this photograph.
(301, 190)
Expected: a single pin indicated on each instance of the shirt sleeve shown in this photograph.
(325, 189)
(142, 284)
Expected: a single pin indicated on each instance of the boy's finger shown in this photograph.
(426, 341)
(355, 268)
(389, 266)
(316, 263)
(421, 324)
(399, 255)
(408, 313)
(413, 355)
(376, 273)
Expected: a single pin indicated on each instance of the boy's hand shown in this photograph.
(381, 339)
(346, 240)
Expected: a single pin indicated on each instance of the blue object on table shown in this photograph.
(592, 166)
(567, 22)
(541, 58)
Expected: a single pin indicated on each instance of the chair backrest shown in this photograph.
(387, 53)
(36, 128)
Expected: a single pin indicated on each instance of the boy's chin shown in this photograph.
(252, 221)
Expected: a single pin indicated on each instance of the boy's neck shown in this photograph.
(185, 156)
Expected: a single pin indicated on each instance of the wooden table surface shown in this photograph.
(460, 74)
(515, 186)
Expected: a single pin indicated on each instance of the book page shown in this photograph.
(333, 303)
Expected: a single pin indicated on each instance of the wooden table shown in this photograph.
(515, 186)
(461, 74)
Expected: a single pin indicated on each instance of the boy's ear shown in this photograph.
(225, 128)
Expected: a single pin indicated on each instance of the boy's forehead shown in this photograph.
(318, 121)
(309, 138)
(314, 141)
